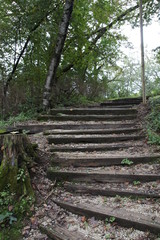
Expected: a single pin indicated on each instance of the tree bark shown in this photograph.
(67, 12)
(142, 55)
(16, 157)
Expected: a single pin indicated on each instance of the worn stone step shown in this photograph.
(93, 111)
(93, 147)
(122, 217)
(109, 192)
(63, 139)
(99, 160)
(111, 176)
(92, 131)
(66, 117)
(57, 232)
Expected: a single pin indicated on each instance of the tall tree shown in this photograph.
(142, 54)
(57, 52)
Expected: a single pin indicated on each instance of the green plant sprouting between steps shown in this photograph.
(110, 220)
(135, 183)
(126, 161)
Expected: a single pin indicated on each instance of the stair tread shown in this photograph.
(122, 217)
(100, 176)
(59, 139)
(91, 131)
(99, 160)
(97, 111)
(110, 126)
(92, 135)
(107, 156)
(60, 233)
(66, 117)
(104, 191)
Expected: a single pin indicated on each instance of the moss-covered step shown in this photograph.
(57, 232)
(65, 117)
(122, 217)
(93, 111)
(101, 176)
(100, 160)
(63, 139)
(92, 131)
(94, 147)
(109, 192)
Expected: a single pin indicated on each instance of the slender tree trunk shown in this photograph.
(67, 12)
(142, 56)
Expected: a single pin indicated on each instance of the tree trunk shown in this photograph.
(67, 12)
(16, 157)
(142, 55)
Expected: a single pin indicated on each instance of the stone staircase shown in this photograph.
(100, 156)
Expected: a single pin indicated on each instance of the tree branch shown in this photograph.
(37, 25)
(103, 30)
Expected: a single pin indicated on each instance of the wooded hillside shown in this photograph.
(88, 67)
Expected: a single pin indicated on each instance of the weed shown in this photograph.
(19, 118)
(107, 236)
(86, 224)
(12, 212)
(7, 217)
(153, 138)
(153, 127)
(117, 198)
(21, 175)
(126, 161)
(110, 220)
(135, 183)
(104, 199)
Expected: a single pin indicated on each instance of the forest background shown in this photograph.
(92, 65)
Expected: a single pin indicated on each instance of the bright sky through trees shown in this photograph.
(151, 38)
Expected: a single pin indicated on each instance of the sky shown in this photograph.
(151, 38)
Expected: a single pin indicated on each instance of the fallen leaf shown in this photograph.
(2, 148)
(34, 221)
(10, 208)
(83, 219)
